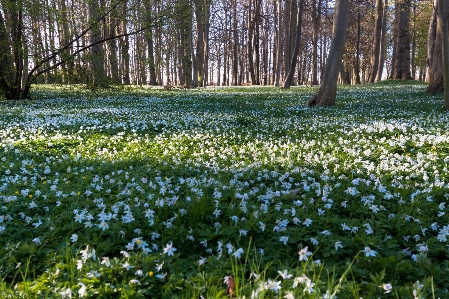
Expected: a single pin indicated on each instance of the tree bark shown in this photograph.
(375, 55)
(402, 42)
(11, 50)
(279, 44)
(383, 43)
(98, 78)
(287, 42)
(443, 19)
(250, 42)
(435, 53)
(316, 17)
(294, 59)
(235, 60)
(431, 39)
(328, 90)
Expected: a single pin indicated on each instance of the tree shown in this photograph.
(375, 55)
(11, 49)
(401, 67)
(434, 52)
(443, 19)
(98, 76)
(14, 83)
(294, 59)
(316, 17)
(328, 90)
(383, 43)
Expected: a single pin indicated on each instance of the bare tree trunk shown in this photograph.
(279, 44)
(402, 42)
(436, 72)
(292, 67)
(6, 62)
(287, 27)
(235, 60)
(97, 55)
(383, 43)
(150, 41)
(65, 37)
(443, 18)
(431, 39)
(112, 45)
(316, 17)
(11, 50)
(250, 42)
(328, 90)
(413, 67)
(357, 57)
(375, 55)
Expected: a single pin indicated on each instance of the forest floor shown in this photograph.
(149, 193)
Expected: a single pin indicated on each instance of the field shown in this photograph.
(144, 193)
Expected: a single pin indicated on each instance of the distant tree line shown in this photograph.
(217, 42)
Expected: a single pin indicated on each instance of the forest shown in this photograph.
(172, 149)
(194, 43)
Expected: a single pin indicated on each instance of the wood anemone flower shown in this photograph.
(230, 288)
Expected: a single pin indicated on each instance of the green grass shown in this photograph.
(98, 188)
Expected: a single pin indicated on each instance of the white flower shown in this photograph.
(106, 261)
(82, 290)
(284, 239)
(338, 245)
(285, 274)
(386, 287)
(307, 222)
(134, 281)
(159, 266)
(202, 261)
(304, 254)
(289, 295)
(238, 253)
(169, 249)
(369, 252)
(273, 285)
(127, 266)
(74, 238)
(79, 264)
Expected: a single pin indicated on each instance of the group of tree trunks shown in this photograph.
(230, 42)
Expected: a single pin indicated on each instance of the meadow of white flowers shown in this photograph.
(165, 194)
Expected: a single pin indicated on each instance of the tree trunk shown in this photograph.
(235, 59)
(11, 50)
(287, 27)
(250, 41)
(328, 90)
(357, 55)
(431, 39)
(402, 42)
(383, 43)
(443, 19)
(292, 67)
(316, 17)
(150, 42)
(375, 55)
(435, 48)
(279, 44)
(112, 45)
(185, 21)
(97, 55)
(413, 67)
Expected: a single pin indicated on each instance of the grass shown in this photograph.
(138, 192)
